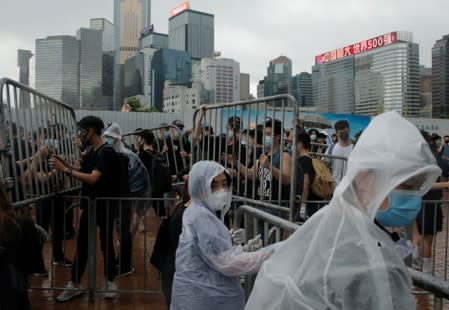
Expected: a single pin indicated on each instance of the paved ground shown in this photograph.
(145, 277)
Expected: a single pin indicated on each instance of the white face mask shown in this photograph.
(221, 201)
(312, 137)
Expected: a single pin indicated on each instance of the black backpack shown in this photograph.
(161, 181)
(124, 173)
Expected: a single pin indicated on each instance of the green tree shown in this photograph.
(136, 106)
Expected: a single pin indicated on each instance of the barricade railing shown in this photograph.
(237, 134)
(170, 141)
(250, 215)
(117, 218)
(30, 120)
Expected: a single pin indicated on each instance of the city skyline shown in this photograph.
(299, 31)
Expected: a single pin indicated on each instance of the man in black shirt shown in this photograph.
(99, 176)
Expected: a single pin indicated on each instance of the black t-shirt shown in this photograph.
(105, 160)
(146, 156)
(306, 165)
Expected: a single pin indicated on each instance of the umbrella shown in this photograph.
(315, 121)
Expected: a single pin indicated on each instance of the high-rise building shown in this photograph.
(279, 74)
(440, 77)
(425, 91)
(302, 89)
(57, 68)
(107, 32)
(244, 86)
(369, 77)
(333, 86)
(134, 70)
(261, 89)
(169, 65)
(91, 62)
(107, 80)
(154, 40)
(220, 78)
(130, 17)
(191, 31)
(23, 62)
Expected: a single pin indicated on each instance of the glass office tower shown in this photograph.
(57, 68)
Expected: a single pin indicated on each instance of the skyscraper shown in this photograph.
(107, 30)
(279, 74)
(440, 77)
(220, 78)
(333, 86)
(107, 79)
(130, 17)
(23, 62)
(369, 77)
(169, 65)
(191, 31)
(244, 86)
(91, 63)
(57, 68)
(302, 89)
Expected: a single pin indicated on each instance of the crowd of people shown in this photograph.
(200, 251)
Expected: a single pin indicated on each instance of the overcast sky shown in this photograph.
(250, 31)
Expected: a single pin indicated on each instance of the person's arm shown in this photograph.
(305, 189)
(197, 129)
(440, 185)
(88, 178)
(285, 176)
(245, 171)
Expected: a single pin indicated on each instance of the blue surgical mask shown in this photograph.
(402, 209)
(109, 141)
(230, 133)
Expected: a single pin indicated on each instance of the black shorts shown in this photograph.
(430, 218)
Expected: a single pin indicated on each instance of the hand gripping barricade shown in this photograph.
(250, 139)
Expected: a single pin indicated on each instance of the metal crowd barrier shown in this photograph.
(177, 145)
(250, 215)
(28, 121)
(234, 134)
(117, 217)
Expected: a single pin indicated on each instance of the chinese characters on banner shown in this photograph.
(357, 48)
(180, 8)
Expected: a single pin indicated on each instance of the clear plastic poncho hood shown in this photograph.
(339, 259)
(208, 266)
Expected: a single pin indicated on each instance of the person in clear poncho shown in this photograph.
(208, 266)
(340, 259)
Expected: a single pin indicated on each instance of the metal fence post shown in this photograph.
(91, 267)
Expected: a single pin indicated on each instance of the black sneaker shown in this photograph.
(41, 274)
(64, 262)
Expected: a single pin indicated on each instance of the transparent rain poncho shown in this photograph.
(339, 259)
(208, 266)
